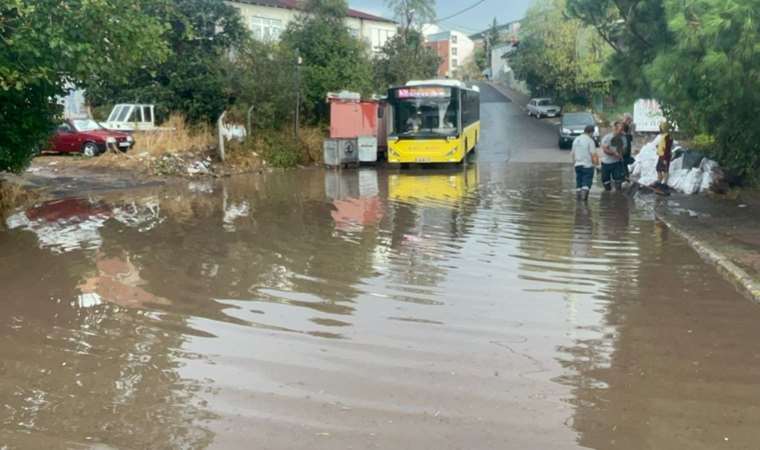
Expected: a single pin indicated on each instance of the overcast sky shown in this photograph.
(477, 19)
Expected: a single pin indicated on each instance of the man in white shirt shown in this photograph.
(583, 152)
(613, 169)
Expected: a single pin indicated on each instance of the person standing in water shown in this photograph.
(584, 149)
(613, 171)
(628, 130)
(664, 154)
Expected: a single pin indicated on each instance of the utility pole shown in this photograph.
(409, 20)
(296, 124)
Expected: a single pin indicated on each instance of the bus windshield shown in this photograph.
(426, 116)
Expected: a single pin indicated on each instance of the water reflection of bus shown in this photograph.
(433, 121)
(433, 188)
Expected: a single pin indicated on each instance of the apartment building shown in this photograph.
(453, 47)
(267, 19)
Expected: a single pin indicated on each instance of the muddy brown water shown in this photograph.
(433, 309)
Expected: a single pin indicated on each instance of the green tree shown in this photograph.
(480, 57)
(709, 78)
(332, 58)
(47, 46)
(559, 55)
(202, 35)
(635, 29)
(412, 14)
(263, 75)
(698, 58)
(405, 57)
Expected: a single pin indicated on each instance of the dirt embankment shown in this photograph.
(177, 152)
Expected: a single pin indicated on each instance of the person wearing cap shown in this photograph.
(584, 149)
(664, 153)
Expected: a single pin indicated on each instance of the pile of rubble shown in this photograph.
(691, 172)
(181, 164)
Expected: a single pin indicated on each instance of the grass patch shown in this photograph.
(13, 196)
(279, 148)
(175, 135)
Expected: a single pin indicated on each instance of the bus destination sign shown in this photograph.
(423, 92)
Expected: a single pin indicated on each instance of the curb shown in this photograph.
(730, 271)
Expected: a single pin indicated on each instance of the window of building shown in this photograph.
(454, 62)
(379, 37)
(453, 51)
(266, 29)
(453, 38)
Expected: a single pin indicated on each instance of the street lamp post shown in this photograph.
(296, 124)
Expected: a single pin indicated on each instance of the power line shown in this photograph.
(467, 29)
(473, 6)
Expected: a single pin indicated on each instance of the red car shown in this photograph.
(86, 136)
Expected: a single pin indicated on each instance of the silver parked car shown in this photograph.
(543, 107)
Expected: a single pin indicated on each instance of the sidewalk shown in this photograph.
(518, 98)
(724, 231)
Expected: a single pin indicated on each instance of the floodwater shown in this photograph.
(430, 309)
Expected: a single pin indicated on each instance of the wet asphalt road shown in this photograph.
(443, 308)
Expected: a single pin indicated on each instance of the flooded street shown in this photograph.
(454, 308)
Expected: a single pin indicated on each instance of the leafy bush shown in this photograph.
(282, 150)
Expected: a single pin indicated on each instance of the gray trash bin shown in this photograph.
(340, 151)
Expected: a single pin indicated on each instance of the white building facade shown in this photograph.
(267, 19)
(454, 48)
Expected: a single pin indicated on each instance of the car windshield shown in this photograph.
(86, 125)
(115, 113)
(545, 102)
(577, 119)
(123, 113)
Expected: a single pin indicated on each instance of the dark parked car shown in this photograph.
(571, 126)
(87, 137)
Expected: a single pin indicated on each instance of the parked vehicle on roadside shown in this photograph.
(543, 107)
(433, 121)
(87, 137)
(131, 117)
(571, 126)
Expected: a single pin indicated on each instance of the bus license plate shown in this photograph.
(422, 160)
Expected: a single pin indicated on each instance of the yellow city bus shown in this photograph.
(434, 121)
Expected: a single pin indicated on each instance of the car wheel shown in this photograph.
(90, 149)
